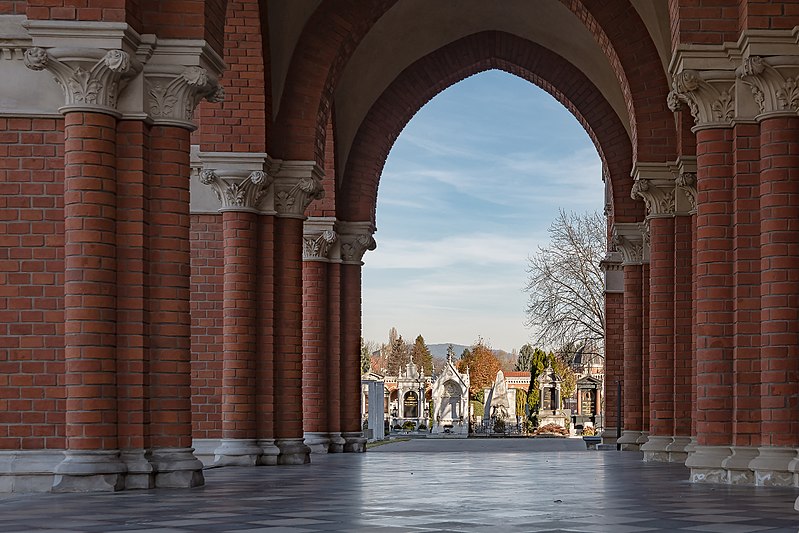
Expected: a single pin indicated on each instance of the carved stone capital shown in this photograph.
(91, 79)
(238, 191)
(356, 239)
(628, 238)
(658, 196)
(709, 95)
(297, 184)
(686, 182)
(317, 246)
(773, 81)
(172, 93)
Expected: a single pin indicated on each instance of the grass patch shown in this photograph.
(377, 443)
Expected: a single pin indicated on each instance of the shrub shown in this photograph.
(589, 431)
(552, 429)
(409, 425)
(397, 427)
(422, 427)
(499, 426)
(477, 409)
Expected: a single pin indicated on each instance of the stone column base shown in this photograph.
(28, 470)
(337, 443)
(629, 440)
(204, 450)
(176, 468)
(772, 466)
(608, 436)
(737, 465)
(269, 452)
(89, 471)
(706, 464)
(656, 449)
(355, 442)
(237, 452)
(293, 452)
(317, 441)
(141, 474)
(678, 449)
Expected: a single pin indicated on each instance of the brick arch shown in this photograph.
(470, 55)
(336, 28)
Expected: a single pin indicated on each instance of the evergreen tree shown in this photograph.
(366, 358)
(399, 354)
(422, 356)
(524, 359)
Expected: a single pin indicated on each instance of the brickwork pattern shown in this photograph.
(350, 347)
(239, 123)
(267, 312)
(779, 283)
(32, 396)
(661, 327)
(633, 355)
(614, 354)
(747, 268)
(315, 337)
(683, 324)
(239, 233)
(714, 291)
(207, 279)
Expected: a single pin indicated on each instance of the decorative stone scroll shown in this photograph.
(709, 94)
(356, 239)
(686, 182)
(297, 184)
(628, 238)
(173, 93)
(774, 85)
(90, 78)
(238, 191)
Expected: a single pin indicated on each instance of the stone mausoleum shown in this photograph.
(188, 189)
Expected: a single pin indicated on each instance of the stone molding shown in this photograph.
(613, 269)
(296, 185)
(773, 82)
(174, 92)
(91, 79)
(654, 184)
(318, 239)
(629, 239)
(356, 239)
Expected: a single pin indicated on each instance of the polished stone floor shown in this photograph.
(495, 486)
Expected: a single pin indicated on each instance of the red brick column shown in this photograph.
(356, 239)
(683, 340)
(241, 193)
(92, 459)
(90, 268)
(614, 342)
(170, 321)
(714, 304)
(239, 331)
(629, 240)
(661, 339)
(334, 359)
(297, 183)
(265, 352)
(779, 282)
(318, 239)
(645, 354)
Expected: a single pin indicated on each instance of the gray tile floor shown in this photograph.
(494, 486)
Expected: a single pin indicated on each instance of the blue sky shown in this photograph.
(467, 194)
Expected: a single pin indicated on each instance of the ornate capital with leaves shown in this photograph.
(629, 239)
(709, 95)
(356, 239)
(90, 78)
(316, 246)
(172, 93)
(238, 191)
(297, 184)
(657, 195)
(773, 81)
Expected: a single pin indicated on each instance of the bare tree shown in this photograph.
(566, 287)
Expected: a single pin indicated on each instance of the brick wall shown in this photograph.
(32, 401)
(207, 272)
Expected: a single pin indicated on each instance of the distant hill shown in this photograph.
(439, 352)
